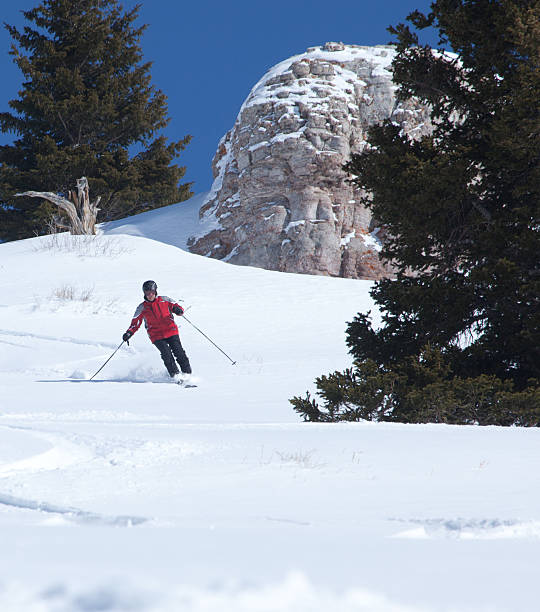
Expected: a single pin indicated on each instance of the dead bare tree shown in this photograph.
(81, 212)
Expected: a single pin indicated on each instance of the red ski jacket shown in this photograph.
(157, 316)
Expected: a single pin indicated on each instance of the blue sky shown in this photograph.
(207, 55)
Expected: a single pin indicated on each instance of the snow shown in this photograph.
(173, 225)
(347, 238)
(132, 493)
(372, 240)
(292, 224)
(341, 84)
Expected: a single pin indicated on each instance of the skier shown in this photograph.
(157, 313)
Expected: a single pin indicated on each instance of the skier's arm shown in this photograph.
(136, 322)
(173, 306)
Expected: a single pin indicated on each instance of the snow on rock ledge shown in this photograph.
(280, 199)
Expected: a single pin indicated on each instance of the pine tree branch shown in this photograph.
(65, 128)
(483, 211)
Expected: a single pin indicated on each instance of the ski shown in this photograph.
(185, 385)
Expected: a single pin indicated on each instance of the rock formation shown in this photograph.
(280, 198)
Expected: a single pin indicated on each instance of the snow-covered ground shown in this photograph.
(131, 493)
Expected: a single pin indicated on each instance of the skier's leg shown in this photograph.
(180, 354)
(167, 356)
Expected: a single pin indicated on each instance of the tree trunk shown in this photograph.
(81, 212)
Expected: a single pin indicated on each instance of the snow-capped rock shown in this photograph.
(280, 198)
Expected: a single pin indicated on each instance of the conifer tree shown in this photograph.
(461, 320)
(86, 100)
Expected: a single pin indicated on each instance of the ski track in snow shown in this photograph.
(61, 454)
(470, 529)
(67, 451)
(6, 332)
(74, 514)
(15, 344)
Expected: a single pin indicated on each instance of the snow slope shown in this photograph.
(130, 493)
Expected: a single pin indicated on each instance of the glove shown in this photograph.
(178, 310)
(126, 337)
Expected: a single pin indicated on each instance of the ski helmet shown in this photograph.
(149, 285)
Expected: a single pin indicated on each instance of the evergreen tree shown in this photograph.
(461, 320)
(87, 98)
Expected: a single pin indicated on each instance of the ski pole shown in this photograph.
(209, 340)
(108, 359)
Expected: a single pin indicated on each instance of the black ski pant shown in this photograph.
(169, 347)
